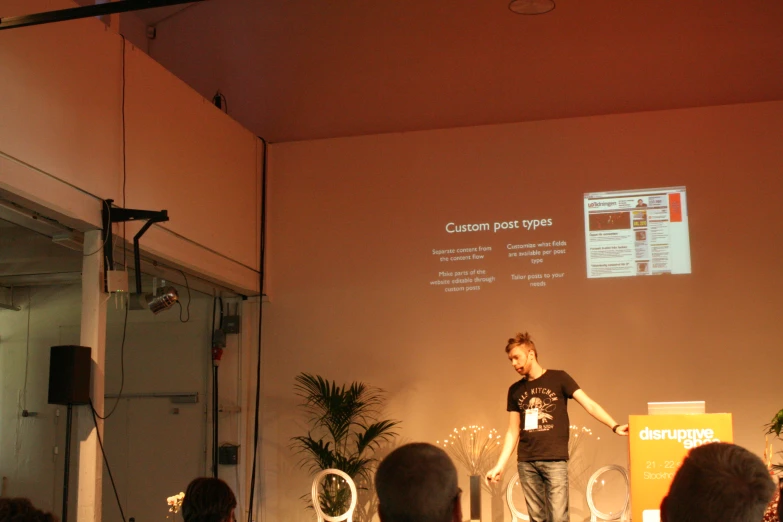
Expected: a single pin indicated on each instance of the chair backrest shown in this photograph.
(515, 513)
(595, 513)
(323, 517)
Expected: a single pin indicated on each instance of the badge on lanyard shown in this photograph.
(531, 419)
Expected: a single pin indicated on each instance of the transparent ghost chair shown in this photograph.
(333, 484)
(608, 493)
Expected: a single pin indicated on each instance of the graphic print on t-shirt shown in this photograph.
(545, 401)
(544, 434)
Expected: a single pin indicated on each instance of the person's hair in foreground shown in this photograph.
(522, 339)
(718, 481)
(418, 483)
(22, 510)
(208, 499)
(780, 501)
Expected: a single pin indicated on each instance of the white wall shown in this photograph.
(154, 447)
(28, 463)
(353, 223)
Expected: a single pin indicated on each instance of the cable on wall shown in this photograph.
(215, 414)
(262, 244)
(124, 161)
(105, 460)
(27, 348)
(214, 388)
(122, 365)
(187, 307)
(105, 239)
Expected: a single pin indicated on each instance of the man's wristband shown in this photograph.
(614, 428)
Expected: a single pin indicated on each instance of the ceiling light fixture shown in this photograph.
(531, 7)
(164, 298)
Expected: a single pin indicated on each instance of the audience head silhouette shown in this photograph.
(718, 481)
(418, 483)
(208, 500)
(22, 510)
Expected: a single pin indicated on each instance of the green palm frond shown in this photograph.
(345, 431)
(335, 496)
(317, 453)
(337, 408)
(776, 424)
(357, 466)
(374, 434)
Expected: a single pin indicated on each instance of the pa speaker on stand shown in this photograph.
(70, 369)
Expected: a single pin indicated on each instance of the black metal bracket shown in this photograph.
(121, 215)
(74, 13)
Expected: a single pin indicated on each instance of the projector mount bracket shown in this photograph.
(121, 215)
(87, 11)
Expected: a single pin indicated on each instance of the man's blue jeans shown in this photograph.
(545, 485)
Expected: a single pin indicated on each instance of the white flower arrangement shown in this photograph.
(175, 502)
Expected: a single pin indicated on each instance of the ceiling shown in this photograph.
(157, 15)
(308, 69)
(150, 16)
(30, 257)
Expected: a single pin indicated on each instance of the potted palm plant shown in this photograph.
(344, 433)
(776, 426)
(775, 509)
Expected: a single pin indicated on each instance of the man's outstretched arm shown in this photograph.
(509, 443)
(595, 409)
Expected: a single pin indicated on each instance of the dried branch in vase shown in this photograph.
(579, 464)
(473, 447)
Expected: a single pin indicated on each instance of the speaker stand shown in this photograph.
(67, 464)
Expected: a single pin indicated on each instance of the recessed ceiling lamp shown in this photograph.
(531, 7)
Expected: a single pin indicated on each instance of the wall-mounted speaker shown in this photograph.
(69, 375)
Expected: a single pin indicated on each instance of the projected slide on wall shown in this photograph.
(524, 252)
(637, 233)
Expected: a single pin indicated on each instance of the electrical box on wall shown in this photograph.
(231, 324)
(228, 455)
(218, 339)
(231, 321)
(116, 281)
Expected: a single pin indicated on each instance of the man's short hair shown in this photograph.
(417, 483)
(718, 481)
(208, 499)
(522, 339)
(20, 509)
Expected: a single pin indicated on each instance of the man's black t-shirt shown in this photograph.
(546, 436)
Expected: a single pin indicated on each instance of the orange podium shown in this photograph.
(658, 445)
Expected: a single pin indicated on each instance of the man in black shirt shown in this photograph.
(538, 426)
